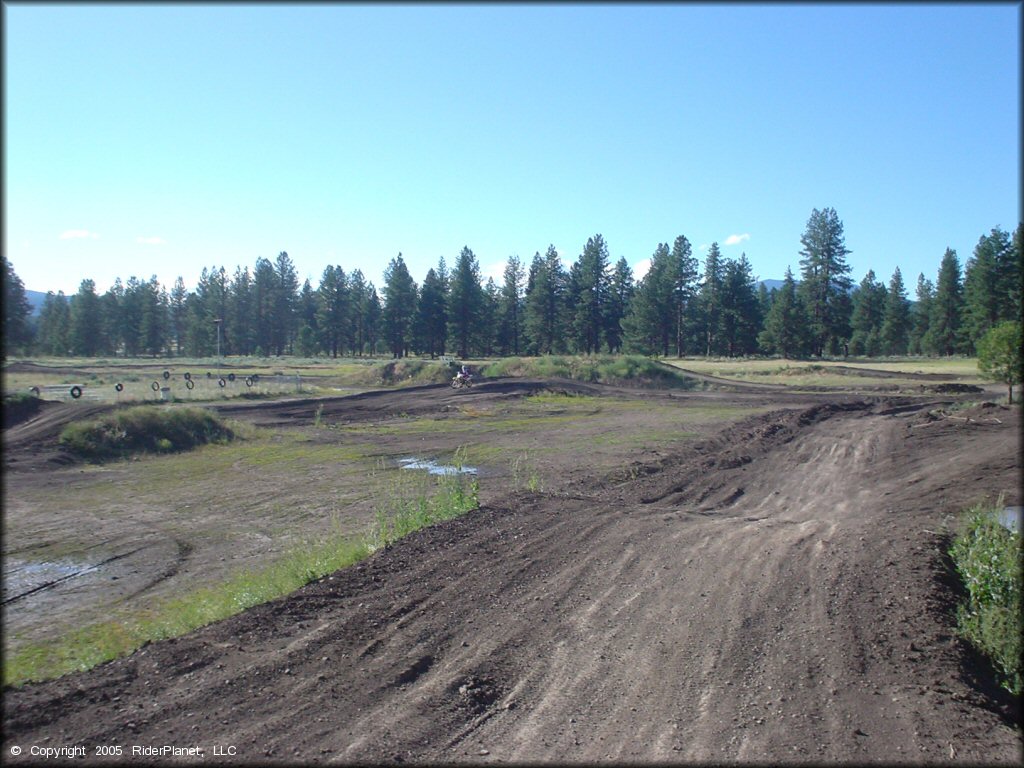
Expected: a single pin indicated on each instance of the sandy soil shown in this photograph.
(776, 592)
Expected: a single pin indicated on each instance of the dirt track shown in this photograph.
(774, 593)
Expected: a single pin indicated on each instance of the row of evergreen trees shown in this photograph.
(677, 308)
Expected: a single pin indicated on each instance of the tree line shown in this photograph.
(679, 307)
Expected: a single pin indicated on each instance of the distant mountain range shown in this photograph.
(35, 300)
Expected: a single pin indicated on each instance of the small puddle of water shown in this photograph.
(1010, 517)
(21, 575)
(434, 468)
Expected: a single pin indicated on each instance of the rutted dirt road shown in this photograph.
(775, 593)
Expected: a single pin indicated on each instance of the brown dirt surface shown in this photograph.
(775, 592)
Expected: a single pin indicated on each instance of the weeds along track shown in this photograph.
(770, 594)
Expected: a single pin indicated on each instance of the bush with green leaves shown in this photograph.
(622, 370)
(987, 555)
(145, 429)
(999, 355)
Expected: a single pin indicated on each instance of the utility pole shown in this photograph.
(218, 322)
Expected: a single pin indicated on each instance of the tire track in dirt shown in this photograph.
(665, 619)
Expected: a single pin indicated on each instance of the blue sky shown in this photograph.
(158, 139)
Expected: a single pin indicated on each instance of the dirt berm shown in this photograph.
(778, 593)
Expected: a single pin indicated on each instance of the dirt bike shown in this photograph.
(461, 381)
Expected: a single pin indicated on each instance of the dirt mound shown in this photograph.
(17, 410)
(955, 389)
(32, 444)
(881, 373)
(415, 400)
(773, 594)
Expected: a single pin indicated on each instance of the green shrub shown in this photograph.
(144, 428)
(623, 370)
(987, 556)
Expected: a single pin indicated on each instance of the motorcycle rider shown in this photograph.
(463, 376)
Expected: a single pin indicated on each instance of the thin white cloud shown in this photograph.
(641, 268)
(151, 240)
(703, 246)
(496, 270)
(79, 234)
(736, 239)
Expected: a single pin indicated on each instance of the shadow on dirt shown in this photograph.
(20, 409)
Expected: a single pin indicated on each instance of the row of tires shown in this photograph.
(76, 391)
(190, 384)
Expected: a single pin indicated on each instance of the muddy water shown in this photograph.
(22, 577)
(434, 468)
(1010, 517)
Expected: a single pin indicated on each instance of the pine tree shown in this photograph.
(86, 321)
(684, 283)
(17, 312)
(896, 321)
(131, 316)
(944, 333)
(176, 316)
(264, 288)
(545, 303)
(214, 292)
(740, 311)
(991, 286)
(399, 307)
(786, 325)
(825, 282)
(764, 298)
(589, 294)
(652, 320)
(201, 311)
(332, 309)
(920, 317)
(510, 308)
(431, 316)
(307, 341)
(372, 319)
(866, 320)
(531, 327)
(284, 324)
(486, 336)
(153, 321)
(620, 293)
(362, 317)
(711, 300)
(111, 305)
(53, 337)
(465, 303)
(240, 321)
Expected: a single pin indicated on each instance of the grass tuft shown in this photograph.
(987, 556)
(455, 494)
(144, 428)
